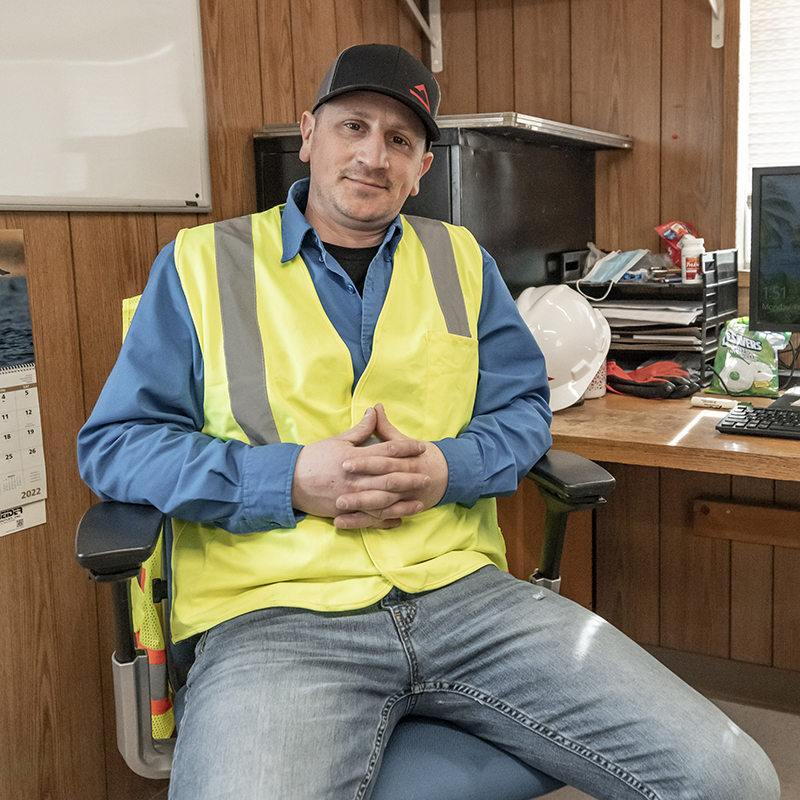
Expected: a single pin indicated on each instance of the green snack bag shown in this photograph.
(746, 362)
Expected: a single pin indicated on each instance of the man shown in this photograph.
(326, 398)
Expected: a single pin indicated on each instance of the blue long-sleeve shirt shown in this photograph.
(143, 441)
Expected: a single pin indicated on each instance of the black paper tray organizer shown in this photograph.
(716, 298)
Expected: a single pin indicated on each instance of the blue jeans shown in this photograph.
(296, 705)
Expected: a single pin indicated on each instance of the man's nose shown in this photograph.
(373, 151)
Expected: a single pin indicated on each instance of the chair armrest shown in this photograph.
(571, 477)
(115, 539)
(567, 483)
(112, 542)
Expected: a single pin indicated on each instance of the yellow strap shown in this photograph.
(129, 305)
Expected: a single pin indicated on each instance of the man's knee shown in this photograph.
(743, 772)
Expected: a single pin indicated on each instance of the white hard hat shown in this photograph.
(573, 336)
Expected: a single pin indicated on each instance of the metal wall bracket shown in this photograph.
(432, 29)
(717, 22)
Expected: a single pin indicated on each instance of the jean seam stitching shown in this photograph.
(403, 618)
(556, 738)
(380, 736)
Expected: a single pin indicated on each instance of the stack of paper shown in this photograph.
(653, 324)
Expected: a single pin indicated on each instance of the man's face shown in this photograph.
(367, 154)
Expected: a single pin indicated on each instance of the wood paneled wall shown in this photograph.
(642, 67)
(665, 586)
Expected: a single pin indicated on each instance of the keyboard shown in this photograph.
(777, 423)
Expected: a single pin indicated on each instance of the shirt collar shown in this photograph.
(295, 227)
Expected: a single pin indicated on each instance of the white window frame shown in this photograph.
(785, 94)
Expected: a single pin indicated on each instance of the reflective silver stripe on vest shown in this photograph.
(244, 352)
(439, 249)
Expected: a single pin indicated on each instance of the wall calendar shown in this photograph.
(23, 485)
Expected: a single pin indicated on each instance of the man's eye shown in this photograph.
(354, 126)
(399, 140)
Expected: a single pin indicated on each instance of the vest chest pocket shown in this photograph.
(452, 381)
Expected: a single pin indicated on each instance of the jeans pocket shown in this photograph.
(201, 645)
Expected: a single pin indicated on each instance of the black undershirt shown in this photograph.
(354, 261)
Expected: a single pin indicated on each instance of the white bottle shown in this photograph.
(692, 250)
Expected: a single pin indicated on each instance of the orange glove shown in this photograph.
(659, 380)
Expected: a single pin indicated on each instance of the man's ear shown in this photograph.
(427, 159)
(307, 123)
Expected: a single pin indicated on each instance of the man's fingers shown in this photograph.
(385, 429)
(378, 503)
(384, 518)
(362, 520)
(388, 488)
(381, 459)
(362, 430)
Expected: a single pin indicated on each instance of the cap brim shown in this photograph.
(431, 128)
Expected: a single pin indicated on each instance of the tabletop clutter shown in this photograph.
(745, 364)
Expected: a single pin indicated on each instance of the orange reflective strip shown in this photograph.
(159, 707)
(157, 656)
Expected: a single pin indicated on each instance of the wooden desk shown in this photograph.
(728, 598)
(670, 433)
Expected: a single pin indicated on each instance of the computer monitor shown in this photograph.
(775, 257)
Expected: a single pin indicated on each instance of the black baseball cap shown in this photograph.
(386, 69)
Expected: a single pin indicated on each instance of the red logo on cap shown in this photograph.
(421, 94)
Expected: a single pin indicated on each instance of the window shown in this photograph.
(769, 100)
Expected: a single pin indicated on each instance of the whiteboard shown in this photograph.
(102, 106)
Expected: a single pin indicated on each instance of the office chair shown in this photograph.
(425, 759)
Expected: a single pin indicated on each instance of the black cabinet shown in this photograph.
(524, 186)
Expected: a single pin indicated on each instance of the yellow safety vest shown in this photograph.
(276, 370)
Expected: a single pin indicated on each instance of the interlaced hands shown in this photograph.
(361, 484)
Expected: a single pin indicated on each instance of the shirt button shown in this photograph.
(351, 289)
